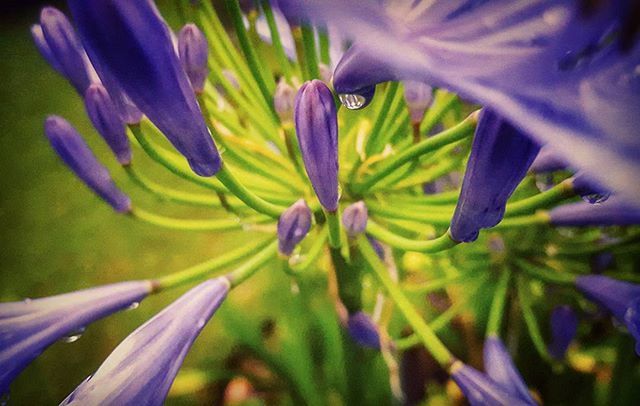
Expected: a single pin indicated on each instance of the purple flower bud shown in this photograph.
(363, 330)
(601, 262)
(129, 43)
(43, 47)
(354, 219)
(614, 212)
(589, 190)
(27, 328)
(316, 124)
(105, 118)
(548, 161)
(622, 299)
(418, 96)
(193, 51)
(142, 368)
(293, 226)
(65, 48)
(481, 390)
(70, 146)
(500, 157)
(377, 247)
(283, 101)
(500, 368)
(564, 325)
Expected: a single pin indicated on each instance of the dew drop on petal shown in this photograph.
(133, 306)
(544, 181)
(73, 337)
(352, 101)
(596, 198)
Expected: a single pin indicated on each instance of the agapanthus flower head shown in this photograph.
(142, 368)
(316, 123)
(500, 157)
(28, 327)
(293, 226)
(193, 51)
(130, 44)
(363, 330)
(622, 299)
(564, 325)
(65, 53)
(613, 212)
(354, 219)
(481, 390)
(500, 368)
(105, 118)
(73, 150)
(283, 100)
(418, 96)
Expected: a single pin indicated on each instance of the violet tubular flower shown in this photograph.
(481, 390)
(316, 125)
(564, 325)
(622, 299)
(61, 47)
(613, 212)
(28, 327)
(354, 219)
(130, 43)
(105, 118)
(500, 157)
(418, 97)
(73, 150)
(500, 368)
(142, 368)
(193, 51)
(293, 226)
(363, 330)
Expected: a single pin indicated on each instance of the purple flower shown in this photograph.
(564, 325)
(548, 161)
(105, 118)
(589, 190)
(293, 226)
(500, 368)
(418, 97)
(481, 390)
(561, 75)
(622, 299)
(500, 157)
(613, 212)
(193, 51)
(284, 100)
(60, 46)
(354, 219)
(27, 328)
(363, 330)
(130, 46)
(70, 146)
(142, 368)
(316, 124)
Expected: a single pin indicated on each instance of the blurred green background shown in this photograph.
(56, 236)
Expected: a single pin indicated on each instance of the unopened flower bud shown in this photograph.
(500, 368)
(316, 124)
(363, 330)
(419, 97)
(70, 146)
(293, 226)
(65, 48)
(354, 219)
(193, 51)
(283, 101)
(564, 325)
(43, 47)
(105, 118)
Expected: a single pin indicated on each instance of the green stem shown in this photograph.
(196, 225)
(310, 54)
(323, 44)
(313, 254)
(426, 334)
(387, 167)
(556, 194)
(442, 243)
(383, 113)
(246, 270)
(244, 194)
(441, 217)
(281, 56)
(205, 269)
(442, 101)
(524, 295)
(497, 304)
(333, 222)
(545, 274)
(539, 218)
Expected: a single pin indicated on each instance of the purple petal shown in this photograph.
(129, 41)
(363, 330)
(481, 390)
(293, 226)
(499, 367)
(613, 212)
(193, 51)
(27, 328)
(354, 219)
(548, 161)
(142, 368)
(564, 325)
(616, 296)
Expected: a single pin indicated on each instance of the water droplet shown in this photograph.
(352, 101)
(544, 181)
(596, 198)
(133, 306)
(73, 337)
